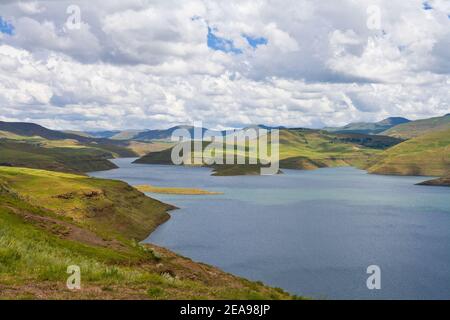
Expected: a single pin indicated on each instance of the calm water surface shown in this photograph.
(312, 233)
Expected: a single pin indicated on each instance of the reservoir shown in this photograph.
(312, 233)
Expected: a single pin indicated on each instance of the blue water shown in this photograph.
(312, 233)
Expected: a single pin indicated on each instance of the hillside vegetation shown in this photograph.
(416, 128)
(33, 146)
(427, 155)
(26, 131)
(51, 220)
(309, 149)
(56, 156)
(301, 149)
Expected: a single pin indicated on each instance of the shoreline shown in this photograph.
(212, 170)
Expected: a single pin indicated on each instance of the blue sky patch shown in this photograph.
(6, 27)
(221, 44)
(426, 6)
(255, 42)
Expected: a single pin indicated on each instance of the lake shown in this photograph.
(312, 233)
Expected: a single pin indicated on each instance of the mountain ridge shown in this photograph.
(419, 127)
(369, 127)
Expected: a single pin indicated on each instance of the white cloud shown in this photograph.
(143, 64)
(31, 7)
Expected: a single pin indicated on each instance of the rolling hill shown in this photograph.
(369, 127)
(425, 155)
(416, 128)
(101, 134)
(65, 157)
(27, 130)
(304, 149)
(34, 130)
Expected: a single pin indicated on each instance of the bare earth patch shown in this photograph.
(67, 230)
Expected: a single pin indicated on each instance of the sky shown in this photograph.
(142, 64)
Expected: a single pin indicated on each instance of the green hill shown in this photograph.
(101, 134)
(369, 127)
(311, 149)
(33, 146)
(49, 221)
(56, 156)
(31, 130)
(157, 157)
(427, 155)
(419, 127)
(304, 149)
(34, 130)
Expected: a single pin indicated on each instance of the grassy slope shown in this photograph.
(31, 131)
(143, 148)
(425, 155)
(51, 220)
(419, 127)
(304, 149)
(54, 155)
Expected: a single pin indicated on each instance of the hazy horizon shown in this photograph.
(204, 127)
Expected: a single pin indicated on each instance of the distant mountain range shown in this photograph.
(396, 127)
(158, 134)
(359, 144)
(369, 127)
(393, 126)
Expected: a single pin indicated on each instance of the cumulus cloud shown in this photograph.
(148, 64)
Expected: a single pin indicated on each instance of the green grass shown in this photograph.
(51, 220)
(321, 149)
(107, 205)
(426, 155)
(300, 149)
(416, 128)
(65, 156)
